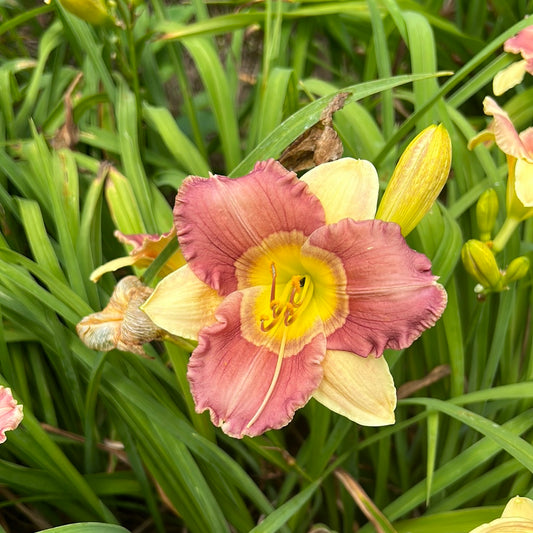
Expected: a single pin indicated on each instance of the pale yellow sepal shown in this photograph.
(517, 517)
(417, 179)
(509, 77)
(483, 137)
(359, 388)
(523, 185)
(111, 266)
(182, 304)
(347, 188)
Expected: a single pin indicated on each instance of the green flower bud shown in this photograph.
(480, 263)
(92, 11)
(486, 213)
(516, 270)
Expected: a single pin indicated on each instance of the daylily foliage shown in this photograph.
(294, 290)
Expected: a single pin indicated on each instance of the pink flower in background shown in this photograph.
(10, 412)
(522, 44)
(293, 290)
(519, 150)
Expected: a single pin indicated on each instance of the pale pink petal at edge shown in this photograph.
(521, 43)
(231, 376)
(393, 296)
(218, 219)
(359, 388)
(346, 188)
(10, 412)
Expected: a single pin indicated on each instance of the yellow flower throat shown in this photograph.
(296, 295)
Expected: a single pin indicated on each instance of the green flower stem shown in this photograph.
(504, 234)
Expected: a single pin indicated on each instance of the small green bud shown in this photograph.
(516, 270)
(480, 263)
(486, 213)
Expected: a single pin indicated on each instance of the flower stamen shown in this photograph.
(295, 295)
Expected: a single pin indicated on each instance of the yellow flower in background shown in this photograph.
(417, 179)
(517, 517)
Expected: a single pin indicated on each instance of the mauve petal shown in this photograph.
(393, 297)
(359, 388)
(10, 412)
(219, 218)
(231, 376)
(521, 43)
(346, 188)
(505, 134)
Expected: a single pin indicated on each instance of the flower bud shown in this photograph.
(91, 11)
(480, 263)
(516, 270)
(417, 179)
(486, 213)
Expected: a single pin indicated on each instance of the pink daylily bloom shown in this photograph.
(521, 43)
(509, 77)
(146, 247)
(519, 150)
(10, 412)
(301, 291)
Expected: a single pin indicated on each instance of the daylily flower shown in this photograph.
(519, 151)
(293, 290)
(10, 412)
(145, 249)
(509, 77)
(517, 517)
